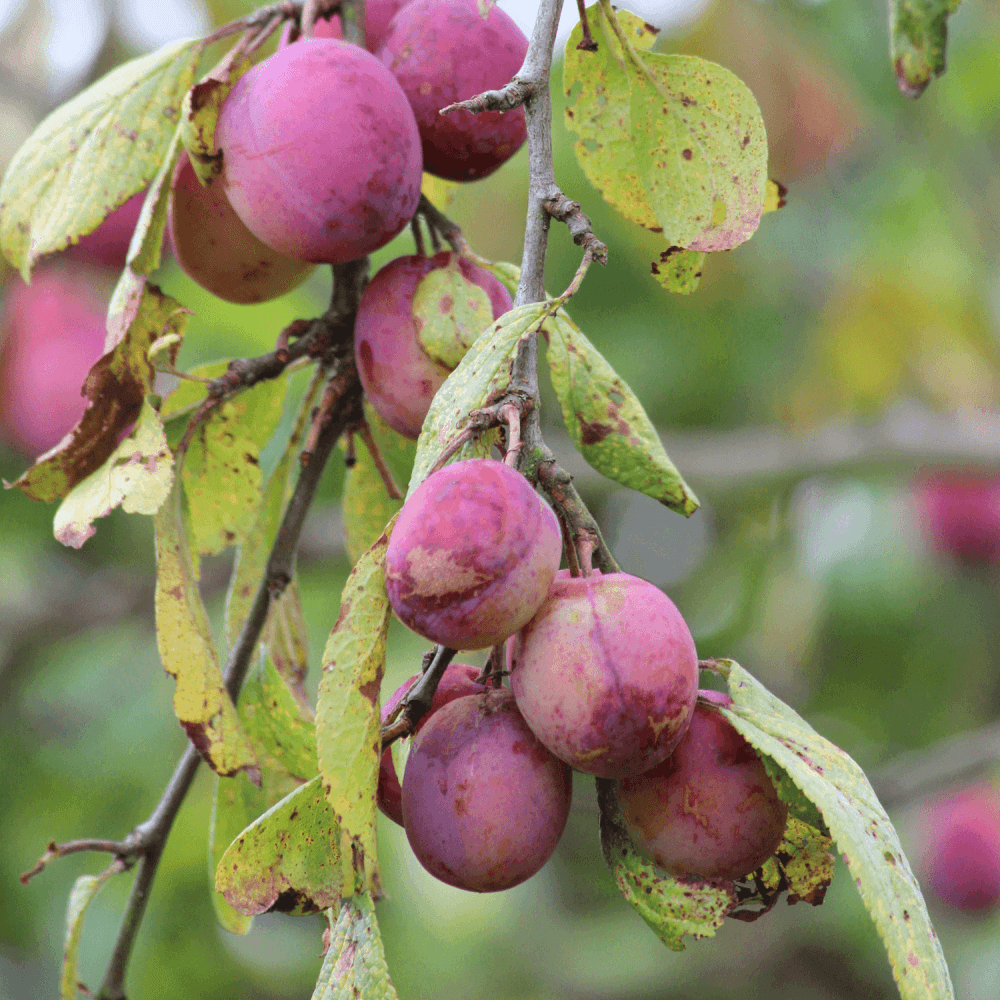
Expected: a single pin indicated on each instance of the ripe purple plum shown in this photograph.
(606, 673)
(398, 375)
(459, 680)
(442, 51)
(51, 333)
(960, 858)
(472, 555)
(107, 246)
(960, 514)
(484, 803)
(378, 14)
(321, 153)
(709, 809)
(215, 248)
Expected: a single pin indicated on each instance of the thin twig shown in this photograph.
(55, 851)
(569, 213)
(507, 98)
(438, 222)
(416, 703)
(391, 486)
(587, 43)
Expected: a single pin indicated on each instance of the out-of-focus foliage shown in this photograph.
(876, 285)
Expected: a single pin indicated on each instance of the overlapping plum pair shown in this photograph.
(323, 144)
(604, 680)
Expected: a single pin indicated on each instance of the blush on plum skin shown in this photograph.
(484, 803)
(215, 248)
(442, 51)
(709, 809)
(397, 375)
(960, 856)
(606, 673)
(459, 679)
(471, 557)
(321, 153)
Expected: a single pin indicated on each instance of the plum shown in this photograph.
(484, 803)
(107, 246)
(378, 14)
(321, 153)
(398, 373)
(442, 51)
(960, 857)
(471, 557)
(710, 808)
(51, 333)
(960, 513)
(215, 248)
(459, 679)
(606, 673)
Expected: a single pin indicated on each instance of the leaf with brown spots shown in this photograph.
(348, 725)
(188, 654)
(354, 967)
(679, 270)
(115, 387)
(701, 149)
(858, 824)
(672, 908)
(802, 865)
(606, 420)
(200, 114)
(93, 153)
(918, 36)
(287, 860)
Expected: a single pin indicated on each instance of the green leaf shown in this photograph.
(85, 888)
(191, 392)
(607, 421)
(201, 702)
(93, 153)
(115, 387)
(287, 860)
(236, 804)
(671, 907)
(449, 312)
(348, 724)
(679, 270)
(480, 378)
(858, 824)
(598, 111)
(354, 967)
(509, 275)
(146, 247)
(802, 864)
(138, 476)
(918, 34)
(287, 638)
(701, 150)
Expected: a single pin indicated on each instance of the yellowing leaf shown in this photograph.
(607, 421)
(348, 724)
(85, 888)
(679, 270)
(354, 967)
(367, 506)
(93, 153)
(439, 192)
(201, 114)
(138, 475)
(450, 312)
(115, 388)
(201, 702)
(598, 111)
(672, 908)
(774, 196)
(918, 34)
(858, 824)
(700, 148)
(236, 804)
(287, 860)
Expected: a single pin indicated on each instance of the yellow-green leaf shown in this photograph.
(449, 312)
(858, 824)
(348, 725)
(918, 35)
(287, 860)
(598, 111)
(93, 153)
(671, 907)
(679, 270)
(201, 702)
(138, 476)
(700, 148)
(146, 247)
(607, 421)
(367, 506)
(115, 387)
(202, 104)
(85, 888)
(354, 967)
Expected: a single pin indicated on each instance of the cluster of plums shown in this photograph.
(603, 680)
(323, 144)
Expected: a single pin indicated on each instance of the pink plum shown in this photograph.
(321, 154)
(484, 803)
(710, 808)
(960, 513)
(398, 375)
(471, 557)
(606, 673)
(108, 244)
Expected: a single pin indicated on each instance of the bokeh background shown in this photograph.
(815, 390)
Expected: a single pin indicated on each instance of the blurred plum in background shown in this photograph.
(960, 514)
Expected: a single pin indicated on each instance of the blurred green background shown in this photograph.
(874, 296)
